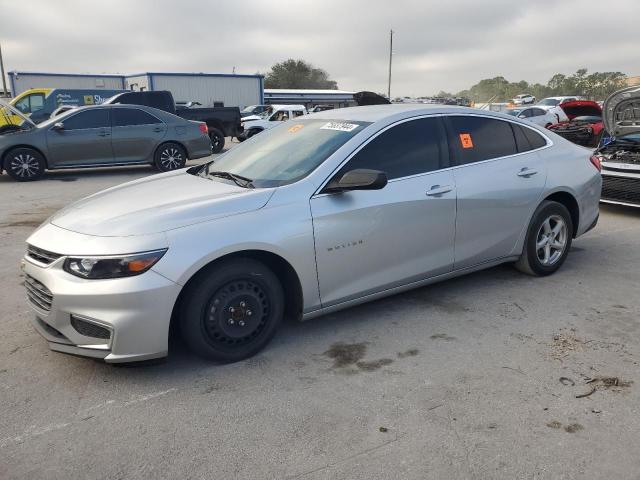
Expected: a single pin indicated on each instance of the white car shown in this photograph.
(552, 104)
(253, 124)
(536, 115)
(524, 99)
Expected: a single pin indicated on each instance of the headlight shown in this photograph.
(112, 267)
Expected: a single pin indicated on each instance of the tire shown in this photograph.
(170, 156)
(24, 164)
(232, 311)
(544, 254)
(217, 140)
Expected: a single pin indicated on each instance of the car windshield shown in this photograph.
(249, 109)
(514, 111)
(57, 118)
(587, 118)
(283, 154)
(551, 102)
(264, 115)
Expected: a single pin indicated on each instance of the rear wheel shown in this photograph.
(217, 140)
(232, 311)
(170, 156)
(548, 240)
(24, 164)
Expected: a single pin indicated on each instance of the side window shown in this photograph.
(537, 112)
(297, 113)
(92, 118)
(30, 103)
(413, 147)
(132, 116)
(526, 113)
(527, 139)
(535, 139)
(474, 139)
(36, 102)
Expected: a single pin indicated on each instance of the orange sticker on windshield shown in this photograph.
(295, 128)
(465, 140)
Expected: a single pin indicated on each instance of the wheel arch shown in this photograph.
(10, 149)
(569, 201)
(285, 272)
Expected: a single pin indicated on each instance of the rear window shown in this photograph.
(474, 139)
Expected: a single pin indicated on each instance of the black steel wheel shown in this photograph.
(170, 156)
(217, 140)
(24, 164)
(232, 311)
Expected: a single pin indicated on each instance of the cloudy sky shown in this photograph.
(439, 45)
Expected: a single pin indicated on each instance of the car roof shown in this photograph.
(374, 113)
(154, 111)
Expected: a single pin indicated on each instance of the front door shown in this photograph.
(135, 134)
(499, 180)
(369, 241)
(84, 139)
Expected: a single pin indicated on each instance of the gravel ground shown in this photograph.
(475, 377)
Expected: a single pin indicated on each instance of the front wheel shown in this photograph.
(170, 156)
(548, 240)
(232, 311)
(24, 164)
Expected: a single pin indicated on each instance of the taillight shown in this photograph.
(595, 161)
(203, 128)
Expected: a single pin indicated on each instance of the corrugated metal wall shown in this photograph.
(234, 91)
(25, 81)
(137, 82)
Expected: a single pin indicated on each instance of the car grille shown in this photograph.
(38, 294)
(621, 189)
(41, 256)
(89, 329)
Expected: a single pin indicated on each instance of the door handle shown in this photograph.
(527, 172)
(158, 129)
(438, 190)
(104, 134)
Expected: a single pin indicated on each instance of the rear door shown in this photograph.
(499, 179)
(136, 134)
(368, 241)
(84, 140)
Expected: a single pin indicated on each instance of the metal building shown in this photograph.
(309, 98)
(206, 88)
(21, 81)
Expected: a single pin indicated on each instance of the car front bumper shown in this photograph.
(117, 320)
(620, 186)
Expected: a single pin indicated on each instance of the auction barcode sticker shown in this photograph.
(341, 127)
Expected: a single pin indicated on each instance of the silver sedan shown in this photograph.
(315, 215)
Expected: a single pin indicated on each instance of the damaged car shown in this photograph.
(584, 126)
(619, 154)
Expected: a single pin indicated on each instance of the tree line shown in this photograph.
(594, 86)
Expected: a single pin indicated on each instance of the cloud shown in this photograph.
(437, 45)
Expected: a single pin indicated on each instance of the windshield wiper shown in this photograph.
(237, 179)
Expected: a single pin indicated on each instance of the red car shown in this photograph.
(585, 125)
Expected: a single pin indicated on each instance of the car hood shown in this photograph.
(157, 204)
(250, 118)
(581, 108)
(621, 111)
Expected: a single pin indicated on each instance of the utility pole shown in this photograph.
(4, 81)
(390, 57)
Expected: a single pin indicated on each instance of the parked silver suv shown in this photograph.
(315, 215)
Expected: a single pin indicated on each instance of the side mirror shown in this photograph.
(521, 116)
(358, 179)
(58, 126)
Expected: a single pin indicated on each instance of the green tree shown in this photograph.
(298, 74)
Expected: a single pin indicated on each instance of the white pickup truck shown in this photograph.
(253, 124)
